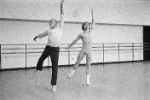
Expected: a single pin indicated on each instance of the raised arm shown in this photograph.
(61, 14)
(93, 22)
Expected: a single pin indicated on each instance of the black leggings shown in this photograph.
(53, 52)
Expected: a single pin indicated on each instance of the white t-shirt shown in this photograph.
(54, 37)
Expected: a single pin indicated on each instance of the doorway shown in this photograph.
(146, 41)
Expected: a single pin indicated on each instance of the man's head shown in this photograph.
(53, 23)
(85, 26)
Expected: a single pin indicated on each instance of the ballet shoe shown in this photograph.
(88, 83)
(54, 88)
(71, 73)
(88, 80)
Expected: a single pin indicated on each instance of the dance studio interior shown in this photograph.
(120, 66)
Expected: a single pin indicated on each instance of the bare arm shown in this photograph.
(61, 14)
(93, 22)
(41, 35)
(74, 41)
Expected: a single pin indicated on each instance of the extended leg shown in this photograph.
(79, 59)
(41, 59)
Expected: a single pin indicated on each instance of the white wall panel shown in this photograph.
(23, 32)
(135, 12)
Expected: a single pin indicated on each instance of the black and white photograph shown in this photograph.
(74, 49)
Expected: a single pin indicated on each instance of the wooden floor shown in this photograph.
(125, 81)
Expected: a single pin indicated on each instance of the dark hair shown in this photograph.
(52, 19)
(83, 25)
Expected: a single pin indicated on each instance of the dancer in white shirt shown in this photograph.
(52, 47)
